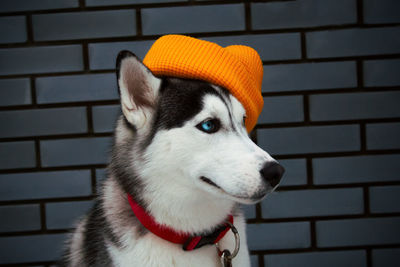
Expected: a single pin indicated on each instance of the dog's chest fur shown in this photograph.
(124, 242)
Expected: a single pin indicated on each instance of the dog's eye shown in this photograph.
(209, 126)
(244, 120)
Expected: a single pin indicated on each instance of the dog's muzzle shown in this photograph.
(272, 173)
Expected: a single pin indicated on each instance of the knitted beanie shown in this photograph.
(237, 68)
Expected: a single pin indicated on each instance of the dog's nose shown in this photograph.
(272, 173)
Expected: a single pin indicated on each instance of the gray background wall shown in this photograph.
(331, 116)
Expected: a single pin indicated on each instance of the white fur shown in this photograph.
(150, 250)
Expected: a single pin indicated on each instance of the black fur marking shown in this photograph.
(108, 232)
(229, 107)
(94, 247)
(97, 232)
(179, 101)
(231, 118)
(128, 125)
(121, 168)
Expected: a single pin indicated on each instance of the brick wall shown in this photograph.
(331, 116)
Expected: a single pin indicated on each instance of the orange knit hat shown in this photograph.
(237, 68)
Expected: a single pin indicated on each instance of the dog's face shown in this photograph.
(193, 134)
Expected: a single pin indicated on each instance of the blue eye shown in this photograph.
(209, 126)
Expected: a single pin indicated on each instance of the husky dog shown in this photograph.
(181, 150)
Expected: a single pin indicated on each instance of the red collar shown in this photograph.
(188, 241)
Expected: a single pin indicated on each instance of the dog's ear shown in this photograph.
(138, 89)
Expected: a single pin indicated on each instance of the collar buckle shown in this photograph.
(226, 255)
(195, 242)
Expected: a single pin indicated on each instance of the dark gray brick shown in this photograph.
(295, 172)
(353, 42)
(381, 11)
(278, 235)
(25, 5)
(33, 122)
(254, 260)
(13, 29)
(101, 175)
(305, 203)
(384, 199)
(84, 25)
(125, 2)
(358, 232)
(15, 92)
(352, 258)
(386, 257)
(370, 105)
(382, 72)
(280, 109)
(41, 59)
(302, 13)
(309, 76)
(249, 211)
(17, 155)
(103, 55)
(80, 151)
(383, 135)
(269, 46)
(37, 185)
(213, 18)
(283, 46)
(105, 117)
(35, 248)
(356, 169)
(19, 218)
(65, 214)
(315, 139)
(75, 88)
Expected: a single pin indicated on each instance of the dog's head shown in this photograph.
(192, 133)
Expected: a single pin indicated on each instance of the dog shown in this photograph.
(182, 153)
